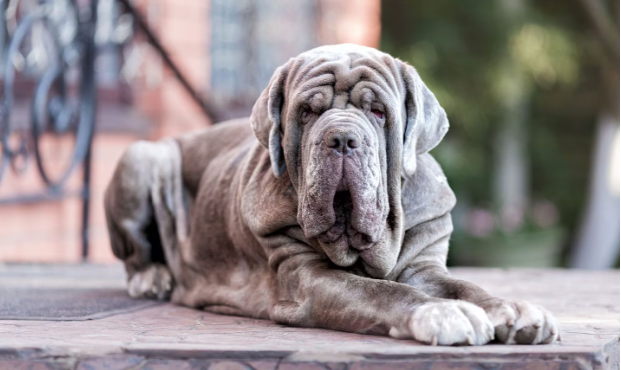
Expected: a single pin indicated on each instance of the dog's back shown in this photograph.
(199, 149)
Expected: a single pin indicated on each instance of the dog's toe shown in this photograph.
(518, 322)
(154, 282)
(502, 332)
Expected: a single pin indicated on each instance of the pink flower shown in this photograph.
(545, 213)
(480, 222)
(512, 218)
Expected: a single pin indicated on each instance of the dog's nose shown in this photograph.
(341, 140)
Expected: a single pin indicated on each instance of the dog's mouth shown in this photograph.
(342, 232)
(343, 206)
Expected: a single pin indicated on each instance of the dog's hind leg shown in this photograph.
(152, 278)
(144, 204)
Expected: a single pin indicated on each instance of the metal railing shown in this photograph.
(52, 43)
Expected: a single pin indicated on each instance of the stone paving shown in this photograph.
(586, 305)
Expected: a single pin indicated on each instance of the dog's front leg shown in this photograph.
(311, 292)
(423, 266)
(515, 322)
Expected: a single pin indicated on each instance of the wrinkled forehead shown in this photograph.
(343, 68)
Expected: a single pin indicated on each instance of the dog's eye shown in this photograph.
(305, 113)
(378, 113)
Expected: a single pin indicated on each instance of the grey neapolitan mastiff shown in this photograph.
(324, 209)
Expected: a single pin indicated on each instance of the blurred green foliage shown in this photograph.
(476, 57)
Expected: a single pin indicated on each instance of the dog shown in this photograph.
(323, 209)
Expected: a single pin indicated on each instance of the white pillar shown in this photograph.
(597, 244)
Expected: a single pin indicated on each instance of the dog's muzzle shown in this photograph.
(342, 205)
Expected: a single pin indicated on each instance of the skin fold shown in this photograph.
(323, 209)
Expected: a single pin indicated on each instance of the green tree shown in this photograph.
(526, 66)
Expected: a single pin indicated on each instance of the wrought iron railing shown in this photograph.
(53, 43)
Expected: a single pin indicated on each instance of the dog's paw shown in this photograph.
(154, 282)
(447, 323)
(519, 322)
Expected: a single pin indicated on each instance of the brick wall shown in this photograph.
(183, 31)
(50, 231)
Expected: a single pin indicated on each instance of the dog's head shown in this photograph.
(346, 124)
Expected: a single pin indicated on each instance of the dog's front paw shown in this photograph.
(520, 322)
(154, 282)
(447, 322)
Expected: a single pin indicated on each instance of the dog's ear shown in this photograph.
(426, 122)
(266, 120)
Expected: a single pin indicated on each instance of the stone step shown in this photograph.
(586, 305)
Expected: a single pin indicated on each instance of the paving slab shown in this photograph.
(586, 305)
